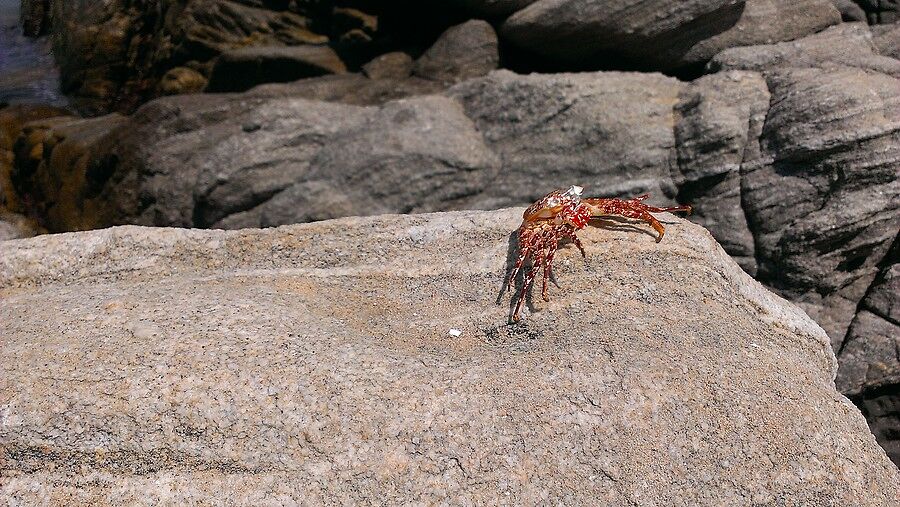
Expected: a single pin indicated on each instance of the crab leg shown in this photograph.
(632, 208)
(548, 265)
(526, 283)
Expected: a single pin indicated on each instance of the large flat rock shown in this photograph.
(312, 363)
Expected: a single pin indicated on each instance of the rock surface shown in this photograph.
(491, 8)
(239, 70)
(610, 132)
(394, 65)
(659, 34)
(12, 120)
(182, 80)
(113, 54)
(870, 356)
(308, 161)
(825, 206)
(887, 40)
(881, 11)
(462, 52)
(56, 168)
(353, 88)
(844, 45)
(850, 10)
(313, 363)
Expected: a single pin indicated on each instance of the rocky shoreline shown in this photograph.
(779, 122)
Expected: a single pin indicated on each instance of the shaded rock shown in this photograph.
(35, 17)
(881, 11)
(887, 40)
(113, 54)
(850, 10)
(12, 119)
(345, 19)
(16, 226)
(719, 119)
(54, 169)
(610, 132)
(870, 356)
(182, 80)
(242, 69)
(659, 35)
(349, 89)
(235, 161)
(766, 22)
(394, 65)
(844, 45)
(824, 209)
(462, 52)
(491, 8)
(881, 407)
(313, 362)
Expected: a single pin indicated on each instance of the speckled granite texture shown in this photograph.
(312, 364)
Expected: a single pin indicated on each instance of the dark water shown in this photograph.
(27, 71)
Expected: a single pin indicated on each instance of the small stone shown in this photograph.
(395, 65)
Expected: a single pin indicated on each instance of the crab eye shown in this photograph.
(575, 191)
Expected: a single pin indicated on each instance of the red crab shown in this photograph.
(559, 215)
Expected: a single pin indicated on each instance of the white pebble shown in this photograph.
(456, 333)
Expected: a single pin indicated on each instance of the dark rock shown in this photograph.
(241, 69)
(113, 54)
(491, 8)
(346, 19)
(880, 11)
(236, 161)
(414, 155)
(719, 119)
(844, 45)
(767, 22)
(881, 408)
(35, 17)
(54, 169)
(353, 89)
(610, 132)
(850, 11)
(395, 65)
(12, 119)
(824, 207)
(887, 39)
(869, 356)
(182, 80)
(462, 52)
(659, 35)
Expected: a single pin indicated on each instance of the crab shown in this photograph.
(558, 216)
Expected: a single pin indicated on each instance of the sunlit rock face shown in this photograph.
(367, 360)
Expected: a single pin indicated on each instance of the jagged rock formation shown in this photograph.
(268, 364)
